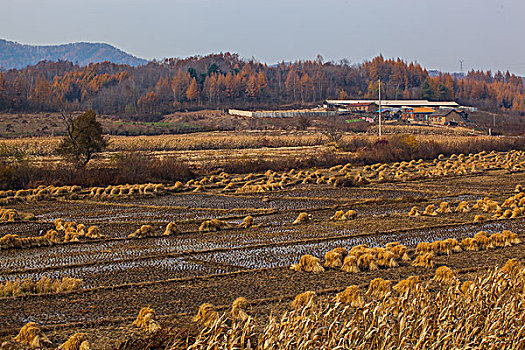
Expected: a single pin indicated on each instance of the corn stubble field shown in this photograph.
(414, 255)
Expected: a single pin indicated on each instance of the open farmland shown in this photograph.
(177, 272)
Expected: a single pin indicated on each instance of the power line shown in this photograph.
(380, 107)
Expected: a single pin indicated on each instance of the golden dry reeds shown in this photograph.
(55, 236)
(386, 259)
(302, 218)
(213, 225)
(414, 212)
(406, 285)
(391, 245)
(463, 207)
(378, 288)
(30, 334)
(506, 214)
(430, 210)
(351, 296)
(512, 267)
(206, 316)
(420, 313)
(510, 237)
(469, 244)
(350, 264)
(247, 222)
(444, 208)
(517, 212)
(93, 232)
(68, 284)
(146, 320)
(13, 215)
(339, 215)
(143, 231)
(445, 275)
(423, 247)
(306, 300)
(399, 250)
(447, 246)
(59, 224)
(367, 262)
(19, 287)
(239, 308)
(335, 257)
(10, 241)
(483, 240)
(171, 229)
(479, 218)
(78, 341)
(350, 214)
(497, 239)
(308, 263)
(424, 260)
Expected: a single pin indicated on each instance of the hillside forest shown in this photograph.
(225, 81)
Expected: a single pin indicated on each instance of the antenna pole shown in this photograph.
(379, 107)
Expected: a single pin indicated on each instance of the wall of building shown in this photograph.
(281, 114)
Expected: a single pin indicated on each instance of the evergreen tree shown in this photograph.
(443, 93)
(426, 91)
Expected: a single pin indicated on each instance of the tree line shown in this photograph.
(225, 80)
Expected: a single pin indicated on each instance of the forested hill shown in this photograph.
(15, 55)
(226, 81)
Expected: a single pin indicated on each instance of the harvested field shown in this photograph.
(175, 274)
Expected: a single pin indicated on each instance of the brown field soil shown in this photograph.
(175, 274)
(47, 124)
(22, 125)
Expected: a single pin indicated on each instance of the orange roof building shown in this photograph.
(417, 113)
(422, 110)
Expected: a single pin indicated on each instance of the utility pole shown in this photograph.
(379, 107)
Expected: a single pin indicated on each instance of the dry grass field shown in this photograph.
(237, 235)
(209, 146)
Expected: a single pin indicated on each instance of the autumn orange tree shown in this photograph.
(193, 91)
(148, 103)
(225, 80)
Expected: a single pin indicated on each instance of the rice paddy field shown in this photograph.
(175, 273)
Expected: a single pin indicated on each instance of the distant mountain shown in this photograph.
(15, 55)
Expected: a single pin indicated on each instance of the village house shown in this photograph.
(449, 117)
(392, 103)
(417, 113)
(369, 107)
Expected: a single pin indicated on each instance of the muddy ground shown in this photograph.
(175, 274)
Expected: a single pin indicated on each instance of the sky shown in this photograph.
(485, 34)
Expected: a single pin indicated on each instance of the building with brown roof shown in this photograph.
(370, 107)
(449, 117)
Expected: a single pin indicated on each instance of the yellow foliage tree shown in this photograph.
(193, 91)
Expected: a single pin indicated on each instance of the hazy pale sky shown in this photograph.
(486, 34)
